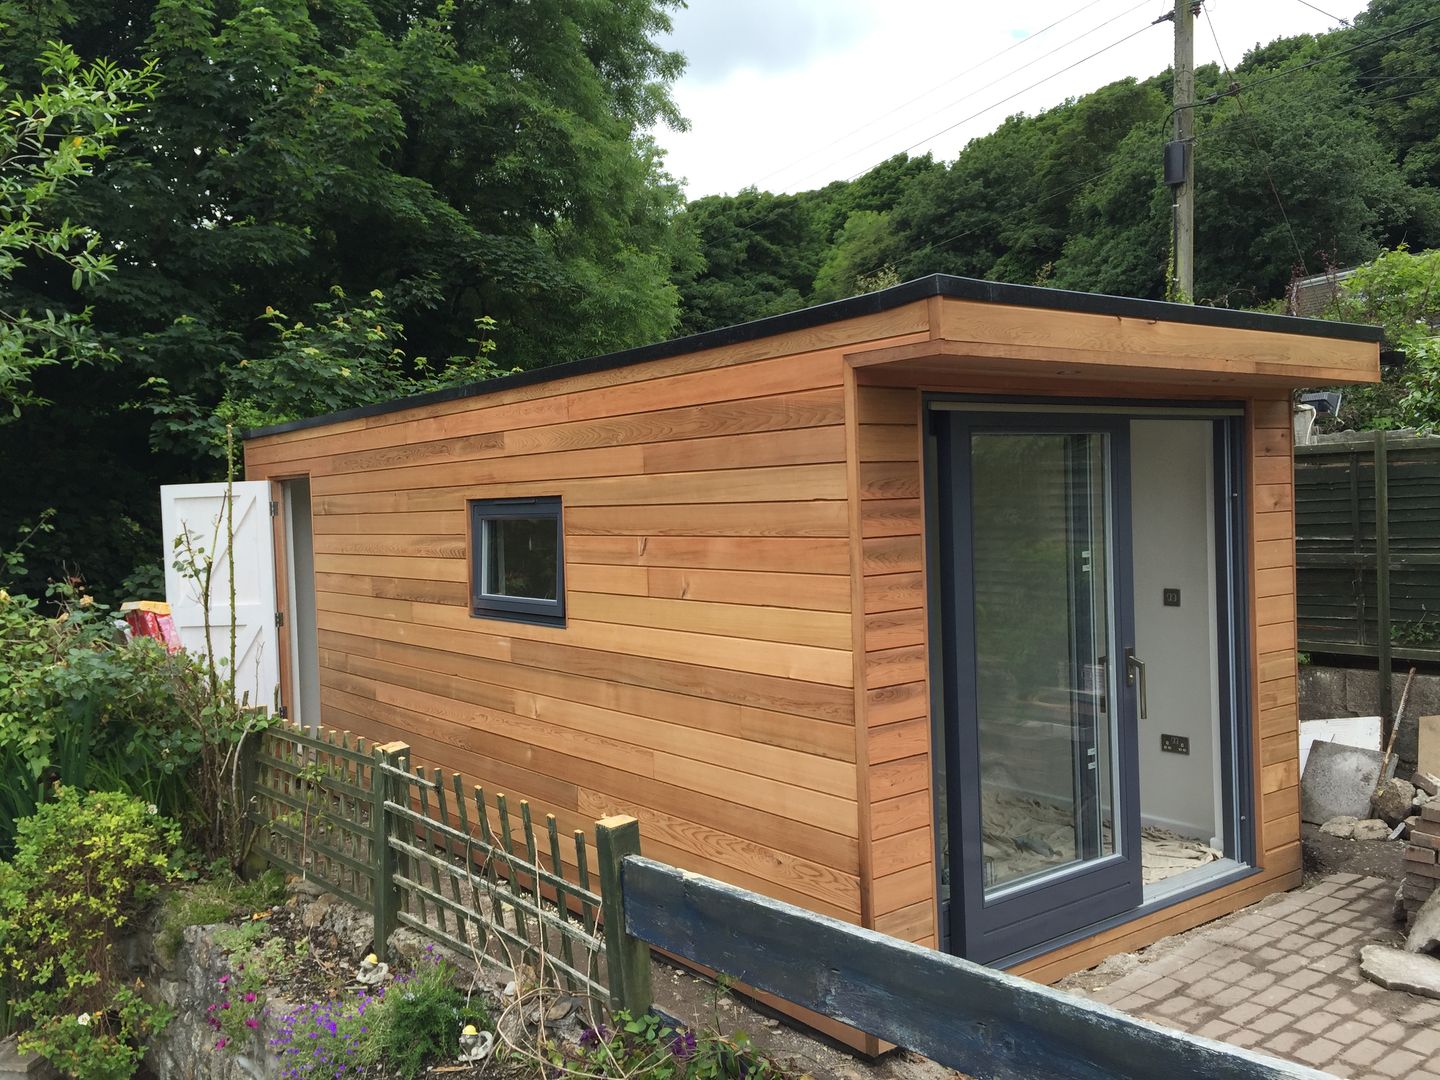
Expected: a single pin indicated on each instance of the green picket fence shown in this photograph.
(417, 849)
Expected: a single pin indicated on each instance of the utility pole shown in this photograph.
(1184, 189)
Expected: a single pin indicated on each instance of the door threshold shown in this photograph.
(1185, 887)
(1201, 878)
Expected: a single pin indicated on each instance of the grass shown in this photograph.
(219, 898)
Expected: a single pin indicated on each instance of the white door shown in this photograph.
(198, 511)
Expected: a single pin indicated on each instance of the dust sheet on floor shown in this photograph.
(1025, 836)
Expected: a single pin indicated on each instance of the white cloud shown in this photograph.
(791, 94)
(723, 38)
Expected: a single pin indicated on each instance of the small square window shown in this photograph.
(517, 568)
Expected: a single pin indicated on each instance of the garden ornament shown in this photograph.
(475, 1045)
(372, 971)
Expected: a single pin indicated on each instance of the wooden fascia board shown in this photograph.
(1017, 358)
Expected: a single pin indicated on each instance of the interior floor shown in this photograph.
(1025, 835)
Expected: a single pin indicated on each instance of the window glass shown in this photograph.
(520, 557)
(517, 555)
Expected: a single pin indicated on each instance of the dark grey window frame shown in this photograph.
(485, 605)
(1232, 505)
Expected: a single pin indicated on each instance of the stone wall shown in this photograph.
(187, 982)
(1327, 692)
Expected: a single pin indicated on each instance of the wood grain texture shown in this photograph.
(704, 678)
(746, 663)
(893, 697)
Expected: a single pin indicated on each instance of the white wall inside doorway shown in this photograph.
(1172, 487)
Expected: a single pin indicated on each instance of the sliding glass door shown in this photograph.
(1041, 678)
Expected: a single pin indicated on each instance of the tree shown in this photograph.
(1400, 292)
(49, 139)
(467, 159)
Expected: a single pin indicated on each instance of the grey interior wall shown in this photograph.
(1172, 484)
(304, 633)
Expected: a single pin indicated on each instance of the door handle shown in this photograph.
(1135, 669)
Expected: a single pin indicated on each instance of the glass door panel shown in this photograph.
(1040, 766)
(1040, 510)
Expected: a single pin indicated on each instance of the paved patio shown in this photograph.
(1284, 977)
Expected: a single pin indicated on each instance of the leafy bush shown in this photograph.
(80, 704)
(83, 867)
(421, 1019)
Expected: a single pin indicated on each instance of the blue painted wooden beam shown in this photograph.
(965, 1016)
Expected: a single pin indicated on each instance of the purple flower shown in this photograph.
(593, 1037)
(224, 979)
(249, 996)
(683, 1045)
(221, 1043)
(251, 1022)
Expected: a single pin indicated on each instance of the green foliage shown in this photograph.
(80, 704)
(467, 159)
(52, 136)
(647, 1048)
(1400, 292)
(218, 897)
(257, 961)
(420, 1021)
(91, 1047)
(83, 867)
(345, 354)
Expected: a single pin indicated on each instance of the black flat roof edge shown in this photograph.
(959, 288)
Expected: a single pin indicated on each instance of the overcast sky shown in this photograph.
(787, 95)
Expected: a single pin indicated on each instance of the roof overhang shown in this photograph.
(972, 339)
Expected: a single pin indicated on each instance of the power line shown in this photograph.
(975, 93)
(1235, 88)
(989, 108)
(1250, 127)
(1322, 11)
(924, 94)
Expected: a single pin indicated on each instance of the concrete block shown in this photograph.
(1338, 782)
(14, 1065)
(1395, 969)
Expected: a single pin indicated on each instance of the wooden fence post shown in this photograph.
(627, 959)
(1382, 579)
(383, 890)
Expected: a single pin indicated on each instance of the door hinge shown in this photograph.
(274, 508)
(279, 618)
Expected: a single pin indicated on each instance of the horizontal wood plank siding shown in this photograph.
(704, 680)
(893, 698)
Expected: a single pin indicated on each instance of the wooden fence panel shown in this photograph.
(1346, 550)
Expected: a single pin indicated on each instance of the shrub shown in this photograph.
(421, 1020)
(81, 704)
(84, 866)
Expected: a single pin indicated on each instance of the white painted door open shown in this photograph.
(199, 511)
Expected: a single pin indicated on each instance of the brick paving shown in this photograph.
(1283, 977)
